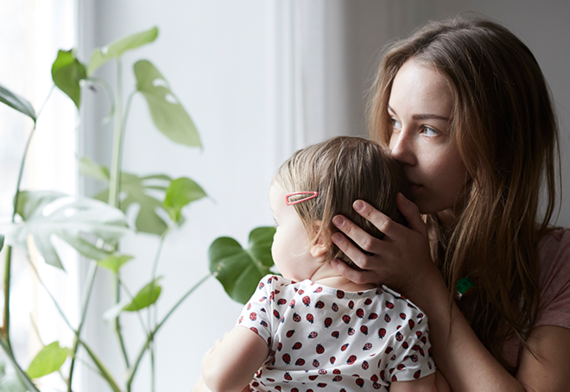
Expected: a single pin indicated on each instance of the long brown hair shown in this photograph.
(505, 128)
(342, 170)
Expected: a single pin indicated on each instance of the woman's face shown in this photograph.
(420, 107)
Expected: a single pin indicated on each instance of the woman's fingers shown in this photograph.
(358, 277)
(412, 214)
(364, 240)
(386, 225)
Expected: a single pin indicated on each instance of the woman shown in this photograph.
(463, 105)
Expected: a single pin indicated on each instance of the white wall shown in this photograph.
(241, 67)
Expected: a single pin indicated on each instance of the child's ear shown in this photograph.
(321, 244)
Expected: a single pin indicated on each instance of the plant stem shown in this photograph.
(86, 295)
(138, 312)
(5, 330)
(29, 384)
(132, 371)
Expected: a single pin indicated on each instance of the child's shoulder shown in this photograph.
(401, 301)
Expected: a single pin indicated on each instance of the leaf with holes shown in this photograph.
(179, 194)
(66, 73)
(167, 113)
(73, 219)
(48, 360)
(16, 102)
(116, 49)
(238, 269)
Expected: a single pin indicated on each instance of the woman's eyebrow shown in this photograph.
(423, 116)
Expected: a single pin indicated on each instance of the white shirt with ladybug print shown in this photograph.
(324, 339)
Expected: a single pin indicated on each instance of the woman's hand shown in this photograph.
(401, 260)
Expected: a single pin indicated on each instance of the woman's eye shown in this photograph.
(429, 131)
(395, 123)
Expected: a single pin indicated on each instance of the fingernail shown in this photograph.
(338, 221)
(358, 205)
(402, 197)
(336, 238)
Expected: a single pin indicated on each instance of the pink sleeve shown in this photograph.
(554, 308)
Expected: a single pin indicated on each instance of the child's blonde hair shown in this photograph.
(342, 170)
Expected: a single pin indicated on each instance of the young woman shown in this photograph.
(463, 105)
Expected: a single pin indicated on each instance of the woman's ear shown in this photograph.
(321, 243)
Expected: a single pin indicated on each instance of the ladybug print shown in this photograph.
(429, 364)
(292, 304)
(417, 374)
(297, 346)
(393, 359)
(322, 384)
(306, 300)
(411, 324)
(300, 362)
(405, 345)
(388, 350)
(263, 323)
(240, 320)
(364, 329)
(359, 313)
(368, 301)
(296, 317)
(399, 336)
(294, 390)
(253, 316)
(389, 305)
(394, 379)
(313, 378)
(320, 305)
(403, 316)
(381, 333)
(335, 334)
(290, 333)
(351, 304)
(334, 307)
(320, 349)
(286, 358)
(340, 294)
(372, 316)
(401, 366)
(419, 334)
(414, 358)
(415, 347)
(282, 301)
(351, 360)
(375, 385)
(344, 347)
(379, 291)
(328, 322)
(423, 340)
(301, 292)
(420, 315)
(248, 306)
(346, 319)
(332, 360)
(367, 346)
(337, 379)
(382, 375)
(276, 314)
(261, 285)
(350, 331)
(254, 330)
(287, 376)
(310, 318)
(322, 371)
(318, 290)
(313, 335)
(374, 378)
(316, 363)
(279, 346)
(421, 351)
(359, 382)
(365, 366)
(387, 318)
(336, 371)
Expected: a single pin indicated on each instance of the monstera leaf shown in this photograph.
(72, 219)
(179, 194)
(167, 113)
(67, 71)
(116, 49)
(238, 269)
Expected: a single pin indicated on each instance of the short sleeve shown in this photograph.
(255, 314)
(414, 359)
(554, 308)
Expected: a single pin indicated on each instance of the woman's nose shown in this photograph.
(402, 148)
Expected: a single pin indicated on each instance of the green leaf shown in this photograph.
(16, 102)
(167, 113)
(48, 360)
(115, 49)
(179, 194)
(88, 167)
(145, 297)
(238, 269)
(114, 262)
(69, 218)
(66, 73)
(1, 241)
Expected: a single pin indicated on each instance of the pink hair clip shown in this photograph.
(309, 196)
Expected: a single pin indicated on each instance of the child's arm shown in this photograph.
(232, 363)
(433, 383)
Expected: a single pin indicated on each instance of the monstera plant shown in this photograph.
(94, 225)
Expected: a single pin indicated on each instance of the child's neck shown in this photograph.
(328, 276)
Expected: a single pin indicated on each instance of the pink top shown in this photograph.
(554, 307)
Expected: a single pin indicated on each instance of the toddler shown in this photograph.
(311, 329)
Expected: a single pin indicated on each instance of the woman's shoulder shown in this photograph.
(554, 248)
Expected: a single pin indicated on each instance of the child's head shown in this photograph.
(342, 170)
